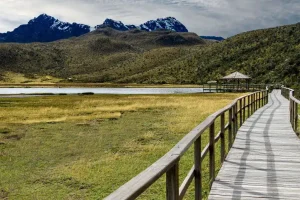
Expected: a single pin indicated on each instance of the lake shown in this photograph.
(19, 91)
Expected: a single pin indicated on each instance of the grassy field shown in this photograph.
(85, 147)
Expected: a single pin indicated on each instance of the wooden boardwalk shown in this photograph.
(264, 162)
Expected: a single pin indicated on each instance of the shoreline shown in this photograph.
(95, 85)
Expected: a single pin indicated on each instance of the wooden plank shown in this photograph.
(172, 182)
(241, 112)
(230, 128)
(244, 109)
(264, 161)
(222, 137)
(188, 180)
(198, 173)
(212, 153)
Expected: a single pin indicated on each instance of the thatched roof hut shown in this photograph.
(236, 76)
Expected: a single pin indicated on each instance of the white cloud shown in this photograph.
(205, 17)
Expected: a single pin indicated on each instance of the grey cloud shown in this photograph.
(205, 17)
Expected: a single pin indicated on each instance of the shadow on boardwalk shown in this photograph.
(263, 162)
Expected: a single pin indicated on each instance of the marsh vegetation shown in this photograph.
(62, 147)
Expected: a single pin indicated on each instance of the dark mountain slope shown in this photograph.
(269, 56)
(44, 28)
(146, 39)
(215, 38)
(102, 55)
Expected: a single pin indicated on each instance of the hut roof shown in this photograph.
(236, 75)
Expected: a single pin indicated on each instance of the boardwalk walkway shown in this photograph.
(264, 162)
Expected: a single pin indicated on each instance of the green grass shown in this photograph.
(74, 147)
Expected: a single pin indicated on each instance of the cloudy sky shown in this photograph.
(205, 17)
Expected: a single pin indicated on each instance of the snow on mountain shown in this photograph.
(130, 27)
(118, 25)
(169, 23)
(44, 28)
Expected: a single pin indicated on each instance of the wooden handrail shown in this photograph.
(288, 93)
(226, 87)
(169, 163)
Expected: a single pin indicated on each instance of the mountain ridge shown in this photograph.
(45, 28)
(136, 56)
(216, 38)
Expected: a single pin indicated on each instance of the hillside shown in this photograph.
(104, 55)
(268, 56)
(135, 56)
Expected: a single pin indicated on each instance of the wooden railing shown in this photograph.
(288, 93)
(236, 114)
(221, 87)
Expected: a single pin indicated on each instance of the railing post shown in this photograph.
(233, 121)
(241, 112)
(291, 112)
(244, 109)
(252, 104)
(230, 128)
(197, 173)
(222, 137)
(255, 101)
(236, 119)
(248, 106)
(261, 98)
(259, 101)
(293, 115)
(212, 153)
(296, 116)
(172, 182)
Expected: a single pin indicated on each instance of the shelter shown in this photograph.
(237, 77)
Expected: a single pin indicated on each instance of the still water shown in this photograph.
(19, 91)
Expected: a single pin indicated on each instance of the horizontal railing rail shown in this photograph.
(224, 87)
(236, 113)
(289, 93)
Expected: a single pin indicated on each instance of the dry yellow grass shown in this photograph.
(102, 108)
(85, 147)
(18, 78)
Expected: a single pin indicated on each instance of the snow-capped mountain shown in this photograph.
(44, 28)
(169, 23)
(118, 25)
